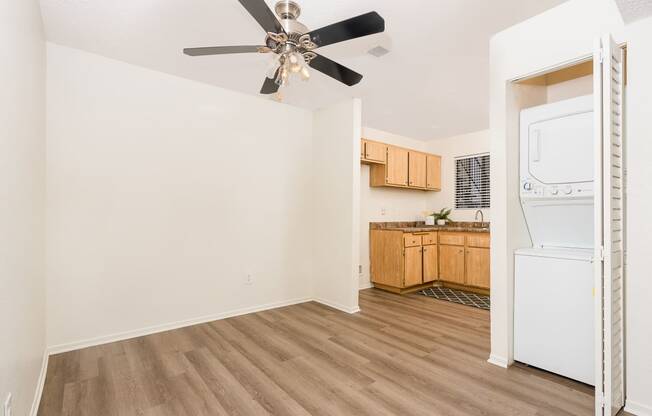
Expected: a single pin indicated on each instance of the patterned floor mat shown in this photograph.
(458, 296)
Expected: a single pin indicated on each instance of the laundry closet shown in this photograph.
(554, 277)
(564, 238)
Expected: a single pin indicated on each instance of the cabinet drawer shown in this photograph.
(451, 239)
(428, 239)
(477, 240)
(411, 240)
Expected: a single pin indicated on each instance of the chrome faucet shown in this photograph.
(481, 215)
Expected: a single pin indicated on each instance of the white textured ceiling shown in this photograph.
(433, 83)
(633, 10)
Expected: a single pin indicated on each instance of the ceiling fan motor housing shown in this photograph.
(288, 12)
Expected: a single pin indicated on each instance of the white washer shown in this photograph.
(553, 294)
(553, 311)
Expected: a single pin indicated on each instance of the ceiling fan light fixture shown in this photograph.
(273, 66)
(295, 62)
(283, 75)
(305, 74)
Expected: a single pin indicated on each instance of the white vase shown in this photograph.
(430, 220)
(441, 222)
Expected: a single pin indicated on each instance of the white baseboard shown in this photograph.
(499, 361)
(366, 285)
(338, 306)
(105, 339)
(638, 409)
(41, 383)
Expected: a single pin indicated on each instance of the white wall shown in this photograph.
(450, 148)
(386, 204)
(163, 194)
(22, 194)
(335, 222)
(639, 227)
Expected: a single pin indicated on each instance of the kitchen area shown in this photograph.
(414, 243)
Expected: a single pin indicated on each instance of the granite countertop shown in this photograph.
(421, 227)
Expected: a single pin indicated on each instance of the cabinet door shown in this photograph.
(413, 266)
(417, 170)
(433, 172)
(477, 267)
(429, 264)
(375, 152)
(451, 263)
(397, 166)
(363, 144)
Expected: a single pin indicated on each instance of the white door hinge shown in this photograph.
(601, 55)
(602, 399)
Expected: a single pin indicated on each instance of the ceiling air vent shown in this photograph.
(378, 51)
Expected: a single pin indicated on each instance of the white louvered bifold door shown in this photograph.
(609, 93)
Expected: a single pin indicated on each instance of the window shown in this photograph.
(472, 182)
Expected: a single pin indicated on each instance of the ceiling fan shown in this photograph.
(293, 43)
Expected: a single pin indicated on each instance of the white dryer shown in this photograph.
(553, 293)
(556, 169)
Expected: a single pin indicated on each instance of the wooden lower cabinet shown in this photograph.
(402, 261)
(413, 266)
(430, 265)
(477, 267)
(451, 263)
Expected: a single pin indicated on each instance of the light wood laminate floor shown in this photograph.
(402, 355)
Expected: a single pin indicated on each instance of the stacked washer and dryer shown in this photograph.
(554, 279)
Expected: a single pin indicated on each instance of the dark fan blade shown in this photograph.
(263, 15)
(220, 50)
(335, 70)
(363, 25)
(269, 86)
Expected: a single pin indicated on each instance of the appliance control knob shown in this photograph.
(554, 191)
(568, 190)
(527, 186)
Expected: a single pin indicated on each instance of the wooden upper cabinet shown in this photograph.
(433, 172)
(477, 267)
(403, 168)
(397, 166)
(373, 152)
(417, 170)
(451, 263)
(413, 266)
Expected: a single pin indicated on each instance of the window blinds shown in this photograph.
(472, 182)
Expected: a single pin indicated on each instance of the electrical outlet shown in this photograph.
(249, 280)
(8, 411)
(383, 211)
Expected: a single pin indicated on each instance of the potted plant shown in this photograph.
(442, 216)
